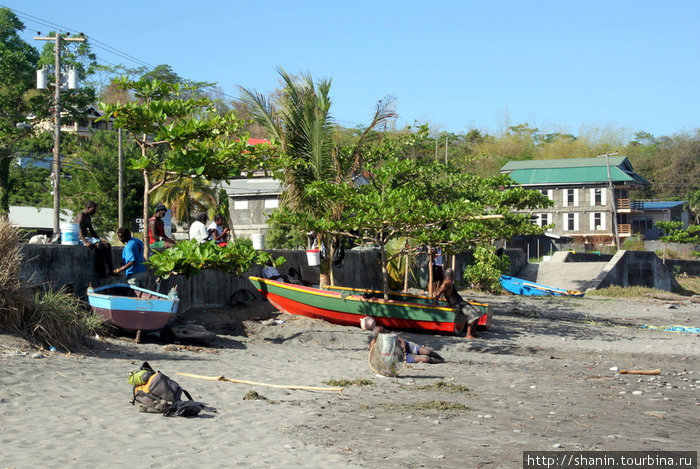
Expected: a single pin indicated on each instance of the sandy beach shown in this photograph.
(540, 379)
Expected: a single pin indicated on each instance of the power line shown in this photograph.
(97, 42)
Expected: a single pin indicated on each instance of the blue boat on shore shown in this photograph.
(520, 286)
(133, 308)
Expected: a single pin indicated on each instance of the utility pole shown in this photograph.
(613, 202)
(57, 124)
(120, 158)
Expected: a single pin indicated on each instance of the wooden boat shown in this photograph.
(133, 308)
(347, 306)
(519, 286)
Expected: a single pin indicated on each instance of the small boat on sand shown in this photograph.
(347, 306)
(519, 286)
(134, 308)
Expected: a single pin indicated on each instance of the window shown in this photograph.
(598, 197)
(597, 221)
(570, 197)
(571, 222)
(240, 205)
(271, 203)
(548, 192)
(541, 219)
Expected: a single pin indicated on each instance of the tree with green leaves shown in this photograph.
(17, 73)
(422, 200)
(181, 137)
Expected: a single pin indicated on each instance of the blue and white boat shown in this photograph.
(520, 286)
(134, 308)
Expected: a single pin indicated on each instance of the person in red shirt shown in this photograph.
(156, 230)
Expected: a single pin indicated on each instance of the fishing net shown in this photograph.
(386, 356)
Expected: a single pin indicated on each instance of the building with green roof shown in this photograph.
(591, 195)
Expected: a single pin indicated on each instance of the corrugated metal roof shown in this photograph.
(252, 186)
(562, 163)
(573, 171)
(37, 218)
(663, 205)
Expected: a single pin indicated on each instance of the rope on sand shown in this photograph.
(253, 383)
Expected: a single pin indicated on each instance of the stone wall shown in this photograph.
(636, 268)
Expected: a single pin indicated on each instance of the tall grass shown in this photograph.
(48, 317)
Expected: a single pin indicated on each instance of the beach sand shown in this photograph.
(540, 379)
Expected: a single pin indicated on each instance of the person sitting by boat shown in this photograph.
(454, 300)
(217, 232)
(156, 230)
(133, 264)
(198, 229)
(269, 271)
(89, 237)
(414, 353)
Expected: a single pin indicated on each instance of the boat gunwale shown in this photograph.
(96, 293)
(477, 303)
(328, 294)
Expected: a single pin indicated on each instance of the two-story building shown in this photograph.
(585, 208)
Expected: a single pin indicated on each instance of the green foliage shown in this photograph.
(633, 243)
(17, 72)
(349, 382)
(190, 257)
(199, 141)
(284, 237)
(486, 270)
(675, 233)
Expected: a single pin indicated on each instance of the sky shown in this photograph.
(568, 66)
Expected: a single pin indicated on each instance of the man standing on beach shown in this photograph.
(454, 300)
(132, 259)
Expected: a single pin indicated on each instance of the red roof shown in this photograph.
(258, 141)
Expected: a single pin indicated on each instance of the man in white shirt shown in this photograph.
(198, 229)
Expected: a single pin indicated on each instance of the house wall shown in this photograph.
(249, 214)
(582, 207)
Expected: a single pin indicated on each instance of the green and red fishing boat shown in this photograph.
(347, 306)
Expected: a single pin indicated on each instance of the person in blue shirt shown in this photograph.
(132, 258)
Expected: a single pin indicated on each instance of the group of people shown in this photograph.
(133, 261)
(199, 230)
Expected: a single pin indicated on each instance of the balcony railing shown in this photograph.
(627, 205)
(624, 229)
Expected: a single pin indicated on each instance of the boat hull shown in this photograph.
(520, 286)
(482, 309)
(347, 308)
(132, 308)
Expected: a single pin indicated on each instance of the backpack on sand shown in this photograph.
(161, 395)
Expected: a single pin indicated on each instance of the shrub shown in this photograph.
(486, 271)
(51, 318)
(633, 243)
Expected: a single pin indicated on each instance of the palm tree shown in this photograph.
(187, 196)
(300, 120)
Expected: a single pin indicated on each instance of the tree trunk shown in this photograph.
(430, 271)
(405, 274)
(146, 188)
(385, 274)
(5, 161)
